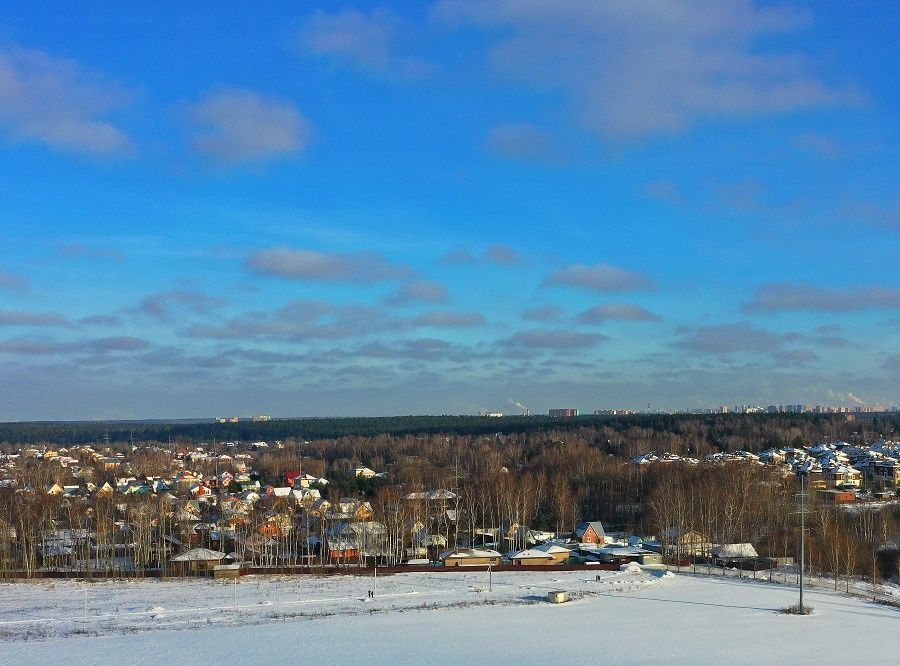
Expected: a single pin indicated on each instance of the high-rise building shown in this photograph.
(563, 412)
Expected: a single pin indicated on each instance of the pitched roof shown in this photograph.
(596, 524)
(734, 550)
(199, 555)
(463, 553)
(551, 548)
(532, 554)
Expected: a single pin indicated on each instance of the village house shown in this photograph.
(590, 532)
(531, 557)
(363, 472)
(734, 554)
(546, 553)
(470, 557)
(841, 476)
(886, 472)
(685, 543)
(197, 561)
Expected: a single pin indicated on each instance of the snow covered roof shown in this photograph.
(734, 550)
(199, 555)
(440, 495)
(434, 540)
(620, 551)
(532, 554)
(470, 552)
(595, 524)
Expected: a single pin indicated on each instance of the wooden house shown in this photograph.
(559, 554)
(686, 543)
(197, 561)
(591, 532)
(341, 550)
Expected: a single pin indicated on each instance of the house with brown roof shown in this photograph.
(591, 532)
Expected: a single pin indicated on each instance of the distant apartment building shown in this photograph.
(786, 409)
(259, 418)
(563, 412)
(226, 419)
(612, 412)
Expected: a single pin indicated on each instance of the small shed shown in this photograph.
(198, 561)
(226, 571)
(557, 597)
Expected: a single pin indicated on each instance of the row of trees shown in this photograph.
(677, 433)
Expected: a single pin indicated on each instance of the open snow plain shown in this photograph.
(438, 618)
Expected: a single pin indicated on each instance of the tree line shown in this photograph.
(677, 433)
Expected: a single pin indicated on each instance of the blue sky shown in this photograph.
(439, 207)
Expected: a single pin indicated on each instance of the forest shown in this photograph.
(693, 433)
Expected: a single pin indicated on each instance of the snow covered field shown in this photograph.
(636, 616)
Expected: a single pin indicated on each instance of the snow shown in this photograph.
(532, 554)
(636, 615)
(734, 551)
(199, 555)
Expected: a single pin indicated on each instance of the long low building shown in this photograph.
(546, 553)
(622, 554)
(470, 557)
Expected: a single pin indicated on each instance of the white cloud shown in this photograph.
(419, 291)
(543, 313)
(542, 338)
(371, 42)
(446, 319)
(497, 255)
(55, 102)
(24, 318)
(600, 277)
(356, 267)
(617, 311)
(236, 126)
(45, 347)
(729, 338)
(643, 67)
(790, 296)
(161, 305)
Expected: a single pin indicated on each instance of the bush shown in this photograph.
(796, 609)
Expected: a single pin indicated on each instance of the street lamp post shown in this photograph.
(803, 511)
(802, 539)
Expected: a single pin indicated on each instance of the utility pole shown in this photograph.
(802, 539)
(803, 511)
